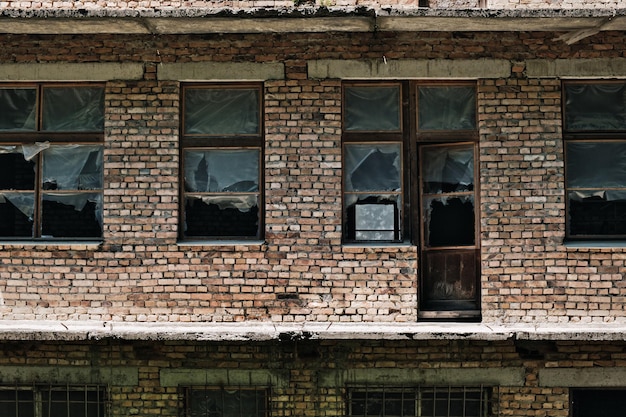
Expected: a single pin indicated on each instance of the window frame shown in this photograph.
(583, 136)
(38, 391)
(186, 395)
(202, 141)
(420, 394)
(54, 137)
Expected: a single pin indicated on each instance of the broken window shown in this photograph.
(45, 400)
(226, 402)
(419, 401)
(595, 151)
(222, 161)
(52, 188)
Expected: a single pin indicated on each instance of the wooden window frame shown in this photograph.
(217, 142)
(39, 135)
(591, 136)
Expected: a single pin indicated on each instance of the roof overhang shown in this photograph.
(581, 22)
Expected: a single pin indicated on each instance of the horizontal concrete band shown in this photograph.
(440, 376)
(576, 68)
(71, 72)
(223, 377)
(221, 71)
(409, 69)
(42, 330)
(25, 374)
(581, 377)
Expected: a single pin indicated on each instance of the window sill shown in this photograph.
(596, 244)
(377, 245)
(229, 243)
(73, 244)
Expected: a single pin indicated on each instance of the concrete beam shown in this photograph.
(71, 71)
(439, 376)
(223, 377)
(576, 68)
(409, 69)
(221, 71)
(117, 375)
(581, 377)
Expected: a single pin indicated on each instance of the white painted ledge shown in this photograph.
(265, 331)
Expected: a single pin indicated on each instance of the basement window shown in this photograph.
(420, 401)
(47, 400)
(595, 156)
(51, 161)
(222, 160)
(226, 402)
(588, 402)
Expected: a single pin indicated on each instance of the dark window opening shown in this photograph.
(226, 402)
(597, 402)
(222, 162)
(67, 401)
(51, 161)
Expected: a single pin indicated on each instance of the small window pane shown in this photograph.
(16, 173)
(16, 214)
(227, 403)
(596, 164)
(595, 107)
(373, 167)
(447, 169)
(222, 216)
(215, 111)
(73, 109)
(447, 108)
(18, 109)
(373, 109)
(449, 221)
(17, 403)
(372, 217)
(72, 215)
(72, 167)
(73, 403)
(222, 170)
(597, 213)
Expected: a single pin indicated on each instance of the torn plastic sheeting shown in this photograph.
(25, 203)
(78, 201)
(606, 195)
(596, 164)
(19, 109)
(595, 106)
(222, 170)
(221, 111)
(73, 167)
(73, 109)
(372, 109)
(241, 203)
(450, 169)
(373, 167)
(449, 108)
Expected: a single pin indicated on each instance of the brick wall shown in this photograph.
(302, 272)
(302, 369)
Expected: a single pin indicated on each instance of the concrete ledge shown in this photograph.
(221, 71)
(581, 377)
(223, 377)
(507, 376)
(71, 72)
(576, 68)
(26, 374)
(41, 330)
(409, 69)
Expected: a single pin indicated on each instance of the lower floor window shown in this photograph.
(420, 401)
(226, 402)
(65, 401)
(597, 402)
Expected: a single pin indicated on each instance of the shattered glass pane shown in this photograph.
(16, 214)
(216, 111)
(597, 107)
(596, 164)
(373, 167)
(73, 167)
(447, 169)
(375, 221)
(18, 109)
(16, 173)
(222, 216)
(227, 403)
(597, 213)
(221, 170)
(447, 108)
(73, 109)
(71, 215)
(449, 221)
(372, 109)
